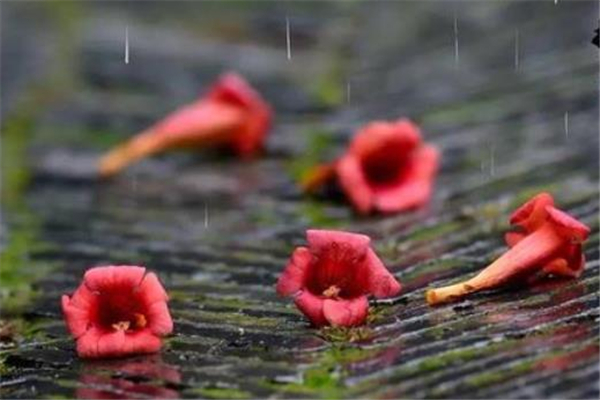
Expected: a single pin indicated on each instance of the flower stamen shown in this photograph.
(332, 292)
(139, 320)
(121, 326)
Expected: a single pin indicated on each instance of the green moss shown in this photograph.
(342, 334)
(323, 381)
(231, 318)
(377, 313)
(318, 146)
(4, 369)
(489, 378)
(316, 215)
(221, 393)
(434, 266)
(329, 91)
(432, 232)
(21, 328)
(70, 136)
(341, 354)
(16, 135)
(325, 377)
(329, 88)
(17, 269)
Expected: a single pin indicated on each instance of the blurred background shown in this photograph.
(507, 90)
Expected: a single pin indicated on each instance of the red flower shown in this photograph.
(549, 242)
(386, 168)
(570, 260)
(232, 114)
(333, 276)
(116, 311)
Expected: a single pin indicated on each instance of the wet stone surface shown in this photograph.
(218, 231)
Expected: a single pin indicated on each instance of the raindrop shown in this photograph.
(288, 38)
(516, 49)
(348, 92)
(492, 160)
(126, 45)
(455, 39)
(205, 215)
(567, 124)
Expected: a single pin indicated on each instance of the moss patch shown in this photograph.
(319, 144)
(221, 393)
(341, 334)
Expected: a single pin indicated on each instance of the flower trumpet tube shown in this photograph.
(550, 245)
(332, 277)
(231, 115)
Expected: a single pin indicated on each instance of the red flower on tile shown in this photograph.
(547, 241)
(386, 168)
(332, 277)
(570, 260)
(117, 311)
(231, 115)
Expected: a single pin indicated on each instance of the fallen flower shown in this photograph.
(232, 114)
(548, 242)
(332, 277)
(117, 311)
(386, 168)
(532, 215)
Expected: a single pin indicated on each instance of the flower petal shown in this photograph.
(321, 240)
(570, 264)
(142, 341)
(151, 290)
(512, 238)
(159, 319)
(354, 183)
(111, 344)
(312, 307)
(568, 226)
(558, 267)
(532, 214)
(292, 279)
(77, 319)
(87, 344)
(346, 312)
(415, 188)
(402, 133)
(84, 298)
(381, 282)
(233, 89)
(110, 277)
